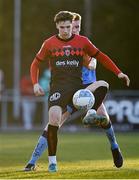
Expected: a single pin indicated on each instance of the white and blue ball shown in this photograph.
(83, 99)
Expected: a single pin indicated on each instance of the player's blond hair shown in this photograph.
(77, 17)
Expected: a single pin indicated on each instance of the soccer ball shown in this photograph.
(83, 99)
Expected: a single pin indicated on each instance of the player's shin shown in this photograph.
(99, 94)
(111, 135)
(39, 149)
(52, 147)
(116, 152)
(52, 139)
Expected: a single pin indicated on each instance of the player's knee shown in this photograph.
(103, 84)
(54, 120)
(55, 114)
(98, 84)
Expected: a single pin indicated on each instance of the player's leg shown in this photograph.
(109, 129)
(99, 89)
(49, 136)
(38, 151)
(55, 115)
(117, 155)
(42, 145)
(57, 106)
(42, 142)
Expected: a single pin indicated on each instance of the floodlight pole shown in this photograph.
(88, 17)
(17, 56)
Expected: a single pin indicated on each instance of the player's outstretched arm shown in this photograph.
(109, 64)
(92, 51)
(124, 77)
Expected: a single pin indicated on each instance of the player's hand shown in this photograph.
(124, 77)
(38, 91)
(93, 63)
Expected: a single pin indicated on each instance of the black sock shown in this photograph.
(44, 134)
(99, 94)
(52, 139)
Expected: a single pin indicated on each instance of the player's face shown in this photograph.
(65, 29)
(76, 27)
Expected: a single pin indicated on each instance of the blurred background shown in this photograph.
(24, 24)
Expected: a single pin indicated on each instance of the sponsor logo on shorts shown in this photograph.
(55, 96)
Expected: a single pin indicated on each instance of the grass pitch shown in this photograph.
(80, 156)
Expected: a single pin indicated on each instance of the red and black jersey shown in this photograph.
(66, 59)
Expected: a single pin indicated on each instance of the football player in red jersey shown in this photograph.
(65, 52)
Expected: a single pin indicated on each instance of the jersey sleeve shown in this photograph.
(90, 48)
(108, 63)
(42, 55)
(101, 57)
(34, 71)
(44, 51)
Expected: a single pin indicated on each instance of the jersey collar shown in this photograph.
(73, 35)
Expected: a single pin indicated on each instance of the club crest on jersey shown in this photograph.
(67, 52)
(55, 96)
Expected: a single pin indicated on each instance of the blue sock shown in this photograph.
(39, 149)
(111, 136)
